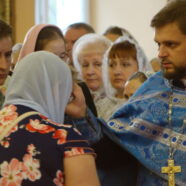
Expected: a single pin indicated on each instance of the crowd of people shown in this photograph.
(85, 109)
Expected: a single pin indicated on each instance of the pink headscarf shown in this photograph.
(30, 39)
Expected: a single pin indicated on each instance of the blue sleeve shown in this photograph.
(90, 126)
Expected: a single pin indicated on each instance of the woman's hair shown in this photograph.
(46, 35)
(116, 30)
(82, 25)
(113, 30)
(123, 49)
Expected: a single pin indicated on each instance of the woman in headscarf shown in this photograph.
(88, 52)
(50, 38)
(36, 147)
(44, 37)
(121, 60)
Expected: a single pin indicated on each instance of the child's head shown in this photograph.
(133, 83)
(155, 64)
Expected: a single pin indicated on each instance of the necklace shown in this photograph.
(171, 169)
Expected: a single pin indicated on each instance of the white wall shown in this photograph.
(134, 15)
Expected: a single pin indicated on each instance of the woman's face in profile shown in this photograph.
(57, 47)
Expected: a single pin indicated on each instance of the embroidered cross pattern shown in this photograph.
(171, 170)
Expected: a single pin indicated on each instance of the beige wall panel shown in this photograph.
(133, 15)
(24, 18)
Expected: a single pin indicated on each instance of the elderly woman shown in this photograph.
(36, 147)
(88, 54)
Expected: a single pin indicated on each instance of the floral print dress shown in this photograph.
(32, 152)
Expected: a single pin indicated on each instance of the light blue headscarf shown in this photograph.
(43, 82)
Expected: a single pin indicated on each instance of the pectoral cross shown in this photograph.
(171, 170)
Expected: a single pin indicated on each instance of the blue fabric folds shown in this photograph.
(141, 127)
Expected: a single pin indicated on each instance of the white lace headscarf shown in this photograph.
(43, 82)
(89, 43)
(141, 58)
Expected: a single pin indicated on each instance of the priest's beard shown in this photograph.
(179, 73)
(176, 76)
